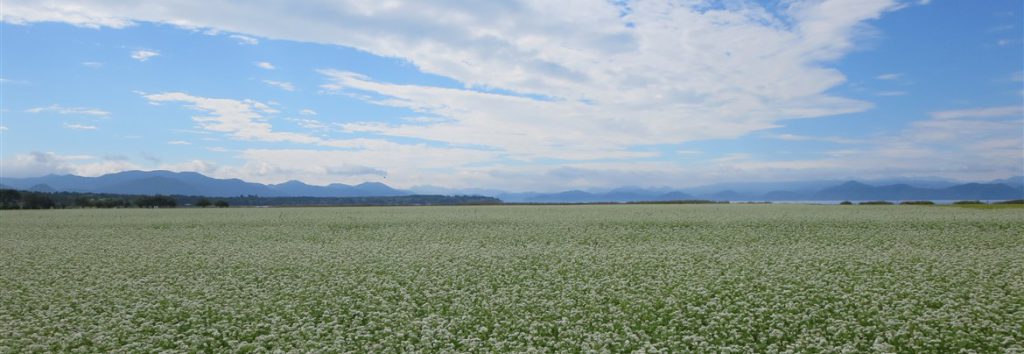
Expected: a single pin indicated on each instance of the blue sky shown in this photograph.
(515, 95)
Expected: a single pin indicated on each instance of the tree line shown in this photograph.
(15, 199)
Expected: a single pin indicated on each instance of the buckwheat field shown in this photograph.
(610, 278)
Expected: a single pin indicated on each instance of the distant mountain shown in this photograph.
(981, 191)
(614, 196)
(859, 191)
(851, 190)
(377, 189)
(191, 183)
(1015, 181)
(152, 185)
(756, 189)
(146, 182)
(435, 190)
(727, 195)
(42, 188)
(298, 189)
(783, 195)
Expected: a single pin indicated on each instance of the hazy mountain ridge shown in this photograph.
(192, 183)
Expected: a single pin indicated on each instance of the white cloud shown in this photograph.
(245, 39)
(247, 120)
(178, 142)
(307, 112)
(579, 80)
(56, 108)
(588, 78)
(1017, 76)
(240, 119)
(92, 64)
(310, 123)
(284, 85)
(37, 163)
(205, 167)
(79, 126)
(22, 12)
(985, 112)
(1007, 42)
(889, 76)
(967, 145)
(144, 54)
(829, 139)
(1000, 28)
(3, 128)
(402, 165)
(892, 93)
(265, 65)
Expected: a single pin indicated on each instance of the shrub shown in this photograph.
(846, 202)
(876, 202)
(917, 202)
(963, 202)
(1015, 201)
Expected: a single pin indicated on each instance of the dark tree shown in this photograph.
(83, 202)
(156, 201)
(202, 203)
(221, 204)
(9, 199)
(36, 201)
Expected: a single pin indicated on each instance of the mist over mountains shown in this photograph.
(192, 183)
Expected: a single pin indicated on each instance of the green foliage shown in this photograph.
(876, 202)
(592, 278)
(203, 202)
(846, 202)
(968, 202)
(36, 200)
(10, 199)
(686, 201)
(917, 202)
(156, 201)
(1014, 201)
(221, 204)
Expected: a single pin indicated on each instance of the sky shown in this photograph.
(514, 95)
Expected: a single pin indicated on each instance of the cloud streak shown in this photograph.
(144, 54)
(58, 109)
(986, 112)
(245, 39)
(284, 85)
(79, 126)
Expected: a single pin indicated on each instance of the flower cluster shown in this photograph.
(627, 278)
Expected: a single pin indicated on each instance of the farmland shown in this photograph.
(617, 278)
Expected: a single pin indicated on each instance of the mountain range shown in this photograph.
(192, 183)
